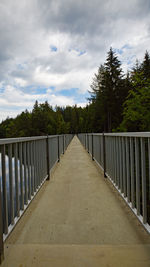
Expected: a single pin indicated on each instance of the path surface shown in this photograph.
(77, 219)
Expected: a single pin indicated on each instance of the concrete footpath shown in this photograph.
(77, 220)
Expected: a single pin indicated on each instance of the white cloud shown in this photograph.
(29, 28)
(43, 77)
(82, 104)
(21, 82)
(13, 101)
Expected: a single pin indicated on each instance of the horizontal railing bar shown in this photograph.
(128, 134)
(20, 139)
(6, 141)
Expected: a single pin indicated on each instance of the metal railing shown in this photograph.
(125, 160)
(25, 164)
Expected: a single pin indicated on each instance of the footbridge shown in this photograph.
(71, 201)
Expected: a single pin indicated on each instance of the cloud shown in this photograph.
(13, 101)
(60, 44)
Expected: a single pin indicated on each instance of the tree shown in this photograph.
(117, 103)
(136, 107)
(145, 66)
(108, 93)
(98, 98)
(114, 88)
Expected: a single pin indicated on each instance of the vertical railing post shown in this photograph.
(25, 173)
(48, 158)
(63, 144)
(58, 149)
(88, 143)
(92, 148)
(144, 188)
(104, 156)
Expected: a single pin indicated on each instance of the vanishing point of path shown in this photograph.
(77, 220)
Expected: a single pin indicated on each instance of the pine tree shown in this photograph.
(136, 113)
(146, 66)
(136, 107)
(114, 90)
(108, 92)
(98, 100)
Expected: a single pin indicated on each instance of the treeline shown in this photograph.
(116, 103)
(45, 120)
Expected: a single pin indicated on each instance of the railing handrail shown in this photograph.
(128, 134)
(5, 141)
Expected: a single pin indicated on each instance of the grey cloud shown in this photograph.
(91, 25)
(89, 17)
(29, 27)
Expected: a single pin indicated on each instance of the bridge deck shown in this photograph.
(77, 219)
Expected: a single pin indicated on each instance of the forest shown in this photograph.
(118, 102)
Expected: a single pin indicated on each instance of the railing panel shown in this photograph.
(120, 164)
(61, 144)
(148, 191)
(132, 170)
(25, 173)
(127, 158)
(137, 164)
(21, 177)
(11, 189)
(128, 170)
(4, 191)
(53, 150)
(90, 144)
(143, 173)
(17, 210)
(24, 165)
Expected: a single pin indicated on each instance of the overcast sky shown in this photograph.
(50, 49)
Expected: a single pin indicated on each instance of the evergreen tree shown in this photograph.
(145, 67)
(116, 104)
(136, 107)
(108, 92)
(114, 90)
(98, 99)
(136, 114)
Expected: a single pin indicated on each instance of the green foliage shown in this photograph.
(45, 120)
(121, 104)
(108, 93)
(116, 103)
(137, 106)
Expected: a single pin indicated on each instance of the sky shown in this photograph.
(50, 49)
